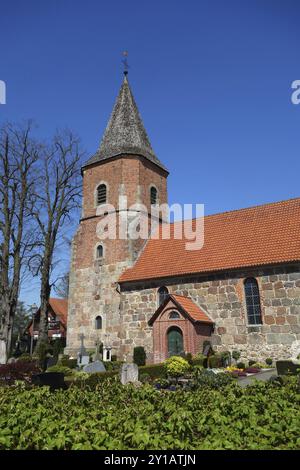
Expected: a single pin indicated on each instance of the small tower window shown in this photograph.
(98, 322)
(101, 194)
(153, 195)
(162, 294)
(252, 301)
(174, 315)
(99, 251)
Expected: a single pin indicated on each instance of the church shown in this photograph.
(240, 291)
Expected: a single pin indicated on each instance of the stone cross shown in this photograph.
(82, 350)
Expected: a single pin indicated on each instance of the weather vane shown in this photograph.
(125, 63)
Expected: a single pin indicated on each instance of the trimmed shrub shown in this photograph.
(269, 361)
(236, 355)
(226, 358)
(251, 362)
(176, 366)
(207, 378)
(241, 365)
(258, 365)
(199, 360)
(188, 357)
(67, 362)
(109, 366)
(154, 370)
(25, 357)
(59, 368)
(144, 378)
(215, 361)
(93, 380)
(139, 356)
(21, 370)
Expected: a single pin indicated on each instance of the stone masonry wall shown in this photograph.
(223, 299)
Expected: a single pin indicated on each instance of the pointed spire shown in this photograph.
(125, 132)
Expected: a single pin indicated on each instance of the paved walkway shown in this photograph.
(244, 381)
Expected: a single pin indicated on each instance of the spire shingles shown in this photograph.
(125, 132)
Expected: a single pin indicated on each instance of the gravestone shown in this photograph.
(129, 373)
(96, 366)
(83, 360)
(82, 357)
(2, 352)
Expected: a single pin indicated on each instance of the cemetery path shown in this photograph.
(265, 375)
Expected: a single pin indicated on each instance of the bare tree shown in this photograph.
(62, 287)
(57, 196)
(18, 155)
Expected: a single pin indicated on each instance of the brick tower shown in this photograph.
(124, 165)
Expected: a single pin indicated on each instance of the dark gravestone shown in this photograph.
(96, 366)
(55, 380)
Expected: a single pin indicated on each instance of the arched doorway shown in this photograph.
(175, 341)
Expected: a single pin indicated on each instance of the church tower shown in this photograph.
(124, 168)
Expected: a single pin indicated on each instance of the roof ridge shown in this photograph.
(242, 209)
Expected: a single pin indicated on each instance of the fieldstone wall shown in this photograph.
(223, 299)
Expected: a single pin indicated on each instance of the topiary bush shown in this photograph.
(176, 366)
(251, 362)
(241, 365)
(269, 361)
(139, 356)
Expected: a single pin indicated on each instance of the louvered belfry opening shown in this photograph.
(153, 195)
(101, 194)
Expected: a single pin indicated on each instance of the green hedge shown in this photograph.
(262, 416)
(154, 370)
(93, 380)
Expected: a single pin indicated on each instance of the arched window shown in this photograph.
(252, 301)
(101, 194)
(98, 322)
(99, 251)
(162, 294)
(174, 315)
(153, 195)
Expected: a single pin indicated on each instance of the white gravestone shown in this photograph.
(96, 366)
(129, 373)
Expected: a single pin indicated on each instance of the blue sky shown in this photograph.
(212, 80)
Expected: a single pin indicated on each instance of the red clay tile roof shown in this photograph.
(60, 308)
(187, 305)
(195, 312)
(255, 236)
